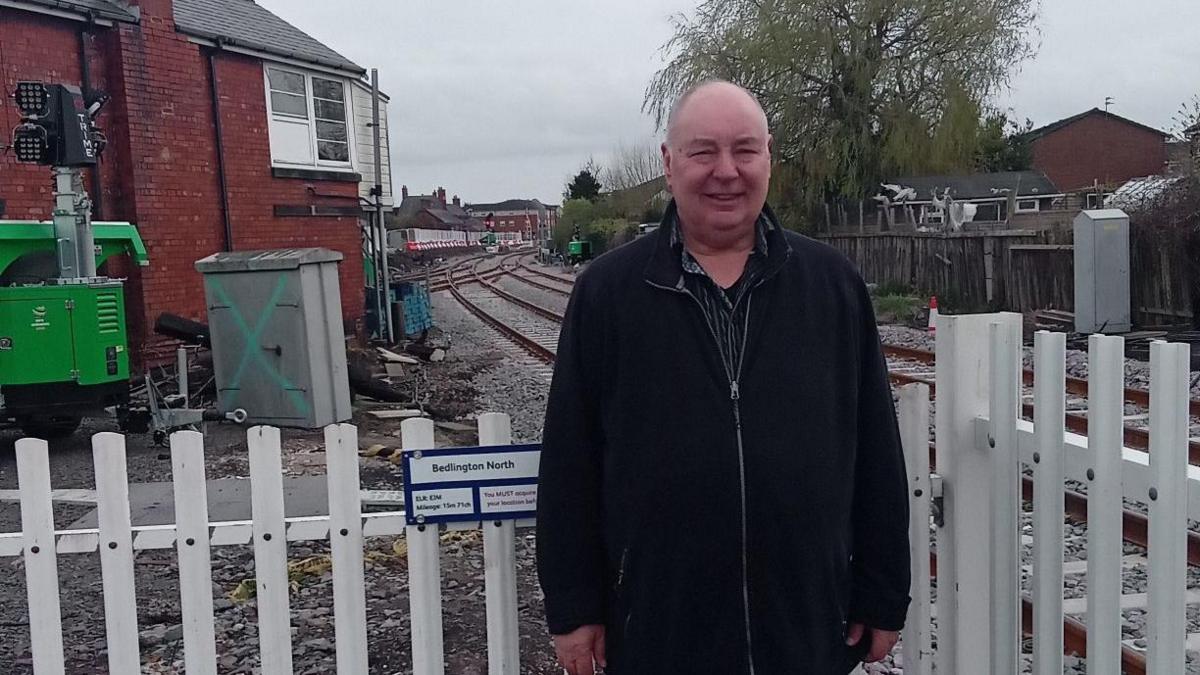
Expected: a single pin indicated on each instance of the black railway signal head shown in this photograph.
(56, 126)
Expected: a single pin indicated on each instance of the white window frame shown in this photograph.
(1037, 206)
(347, 102)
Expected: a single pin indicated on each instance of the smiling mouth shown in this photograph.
(725, 198)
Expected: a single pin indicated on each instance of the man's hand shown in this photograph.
(882, 641)
(581, 651)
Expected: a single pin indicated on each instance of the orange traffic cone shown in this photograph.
(933, 314)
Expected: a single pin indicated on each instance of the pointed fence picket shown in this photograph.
(268, 532)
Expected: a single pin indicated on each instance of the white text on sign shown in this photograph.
(444, 502)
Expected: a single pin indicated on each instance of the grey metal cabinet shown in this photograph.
(1102, 272)
(275, 320)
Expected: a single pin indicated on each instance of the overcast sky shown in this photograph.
(495, 100)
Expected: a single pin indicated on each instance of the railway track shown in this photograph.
(535, 331)
(560, 278)
(558, 287)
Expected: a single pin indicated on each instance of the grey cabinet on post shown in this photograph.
(1102, 272)
(275, 320)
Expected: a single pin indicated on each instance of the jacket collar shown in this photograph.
(664, 268)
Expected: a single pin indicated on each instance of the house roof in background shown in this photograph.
(242, 23)
(113, 10)
(506, 205)
(1140, 193)
(453, 220)
(645, 192)
(1055, 126)
(980, 185)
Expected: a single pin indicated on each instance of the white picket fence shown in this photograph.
(982, 445)
(269, 532)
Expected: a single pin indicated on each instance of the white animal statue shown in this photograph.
(956, 213)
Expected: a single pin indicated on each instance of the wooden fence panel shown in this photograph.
(1029, 270)
(1041, 276)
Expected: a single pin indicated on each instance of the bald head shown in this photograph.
(720, 93)
(717, 160)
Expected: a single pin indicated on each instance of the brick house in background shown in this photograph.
(228, 129)
(1097, 147)
(529, 217)
(432, 212)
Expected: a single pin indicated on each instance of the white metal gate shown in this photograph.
(983, 446)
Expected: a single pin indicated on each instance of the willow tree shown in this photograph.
(854, 89)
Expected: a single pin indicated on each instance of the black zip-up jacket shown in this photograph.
(716, 524)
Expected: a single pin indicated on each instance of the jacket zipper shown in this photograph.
(734, 376)
(735, 395)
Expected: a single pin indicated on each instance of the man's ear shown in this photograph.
(666, 157)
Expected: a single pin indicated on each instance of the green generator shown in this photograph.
(63, 345)
(578, 251)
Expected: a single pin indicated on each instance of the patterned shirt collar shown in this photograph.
(688, 261)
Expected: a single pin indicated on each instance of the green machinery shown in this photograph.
(578, 249)
(63, 343)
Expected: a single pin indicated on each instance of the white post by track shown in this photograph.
(1005, 400)
(500, 568)
(964, 542)
(1049, 410)
(192, 547)
(916, 640)
(346, 545)
(424, 571)
(1167, 498)
(116, 553)
(270, 550)
(41, 558)
(1106, 408)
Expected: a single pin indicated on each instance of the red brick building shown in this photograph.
(527, 217)
(228, 129)
(1097, 147)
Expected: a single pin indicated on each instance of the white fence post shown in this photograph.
(270, 550)
(917, 641)
(1049, 410)
(116, 553)
(41, 558)
(1005, 341)
(1106, 409)
(346, 544)
(192, 547)
(964, 603)
(1167, 621)
(500, 569)
(424, 571)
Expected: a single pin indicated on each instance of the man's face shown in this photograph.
(718, 162)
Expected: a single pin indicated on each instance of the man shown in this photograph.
(722, 488)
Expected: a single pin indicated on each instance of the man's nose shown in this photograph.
(725, 166)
